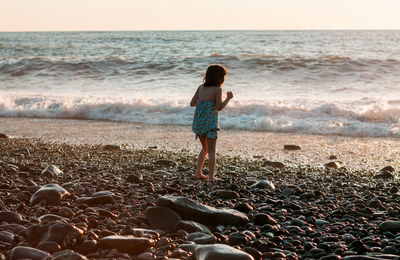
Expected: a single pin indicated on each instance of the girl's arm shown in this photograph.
(219, 104)
(193, 102)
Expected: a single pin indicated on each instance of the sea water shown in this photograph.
(316, 82)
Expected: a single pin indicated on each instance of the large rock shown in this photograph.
(23, 252)
(51, 193)
(10, 217)
(392, 226)
(220, 252)
(128, 244)
(189, 209)
(162, 218)
(66, 255)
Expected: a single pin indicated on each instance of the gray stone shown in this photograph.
(66, 255)
(226, 194)
(23, 252)
(97, 200)
(220, 252)
(127, 244)
(189, 209)
(162, 218)
(191, 226)
(201, 238)
(392, 226)
(10, 217)
(264, 184)
(51, 193)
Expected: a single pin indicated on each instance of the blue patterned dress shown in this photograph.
(205, 121)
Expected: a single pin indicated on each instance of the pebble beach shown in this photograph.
(113, 201)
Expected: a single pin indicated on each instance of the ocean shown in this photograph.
(315, 82)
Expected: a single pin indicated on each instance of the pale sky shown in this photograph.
(87, 15)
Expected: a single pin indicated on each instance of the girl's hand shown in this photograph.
(229, 95)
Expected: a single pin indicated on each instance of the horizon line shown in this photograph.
(198, 30)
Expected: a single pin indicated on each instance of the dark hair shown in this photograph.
(215, 76)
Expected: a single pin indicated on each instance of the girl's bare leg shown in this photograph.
(201, 159)
(212, 144)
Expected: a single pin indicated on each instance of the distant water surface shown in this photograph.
(319, 82)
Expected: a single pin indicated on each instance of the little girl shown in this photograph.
(208, 102)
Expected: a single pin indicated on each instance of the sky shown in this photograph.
(106, 15)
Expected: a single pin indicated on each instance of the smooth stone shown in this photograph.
(10, 217)
(244, 207)
(51, 193)
(102, 193)
(201, 238)
(51, 170)
(392, 226)
(388, 168)
(257, 255)
(63, 233)
(227, 194)
(321, 222)
(162, 217)
(237, 238)
(220, 252)
(264, 184)
(111, 147)
(191, 226)
(87, 247)
(51, 217)
(291, 147)
(23, 252)
(134, 178)
(14, 228)
(7, 237)
(65, 212)
(66, 255)
(334, 165)
(274, 164)
(384, 175)
(189, 209)
(128, 244)
(49, 246)
(371, 257)
(98, 200)
(4, 136)
(261, 219)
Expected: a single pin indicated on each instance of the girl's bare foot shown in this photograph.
(214, 179)
(200, 177)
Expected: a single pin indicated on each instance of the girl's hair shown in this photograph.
(215, 76)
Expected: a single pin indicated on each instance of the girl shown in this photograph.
(208, 102)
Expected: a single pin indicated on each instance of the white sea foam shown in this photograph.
(375, 118)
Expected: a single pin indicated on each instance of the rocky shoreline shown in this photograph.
(60, 201)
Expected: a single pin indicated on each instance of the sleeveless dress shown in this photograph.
(205, 121)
